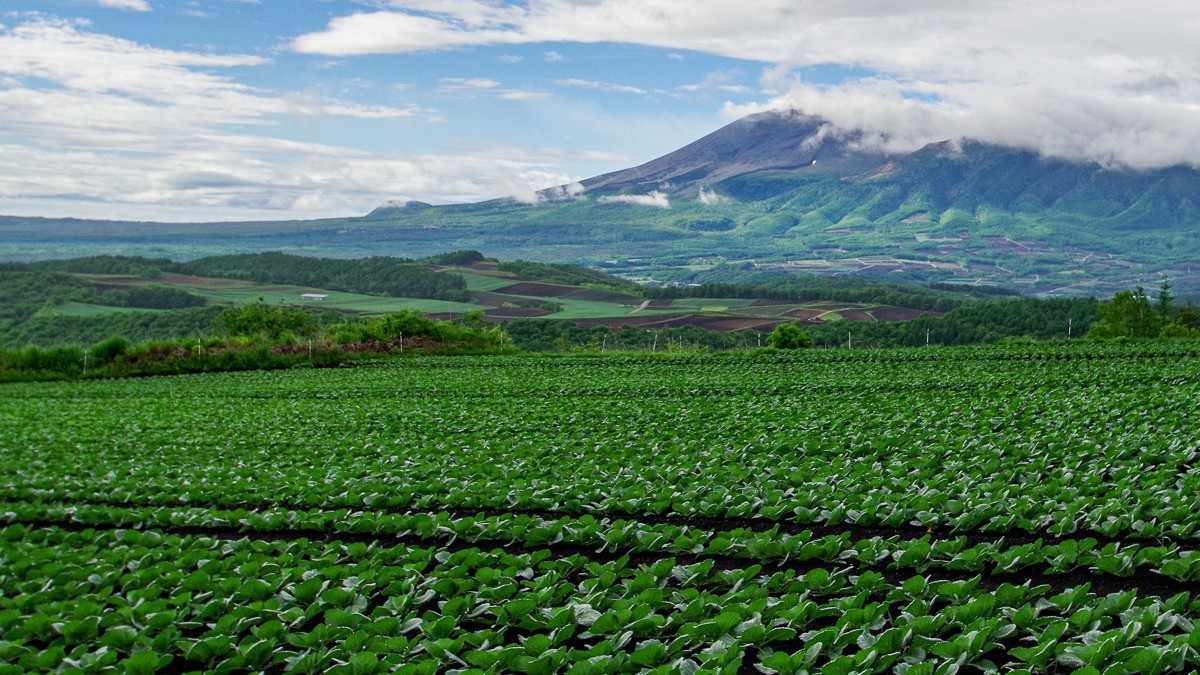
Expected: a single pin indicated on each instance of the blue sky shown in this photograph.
(234, 109)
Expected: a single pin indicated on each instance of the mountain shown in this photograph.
(788, 141)
(774, 154)
(770, 194)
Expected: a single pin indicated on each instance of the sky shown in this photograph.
(218, 110)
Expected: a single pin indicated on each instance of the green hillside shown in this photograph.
(87, 300)
(54, 294)
(1089, 241)
(749, 195)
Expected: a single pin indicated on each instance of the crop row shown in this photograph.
(1156, 569)
(69, 498)
(1116, 463)
(143, 599)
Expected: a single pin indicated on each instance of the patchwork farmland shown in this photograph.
(503, 296)
(914, 511)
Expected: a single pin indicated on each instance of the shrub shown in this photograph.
(259, 318)
(109, 350)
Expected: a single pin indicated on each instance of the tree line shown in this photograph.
(1131, 315)
(377, 275)
(807, 289)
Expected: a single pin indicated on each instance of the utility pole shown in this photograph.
(1069, 321)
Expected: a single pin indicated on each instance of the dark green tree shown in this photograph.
(1185, 323)
(1128, 315)
(1164, 300)
(1188, 316)
(789, 336)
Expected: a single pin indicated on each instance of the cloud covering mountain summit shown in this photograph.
(1107, 81)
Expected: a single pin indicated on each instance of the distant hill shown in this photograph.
(782, 193)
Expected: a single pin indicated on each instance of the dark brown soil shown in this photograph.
(189, 280)
(536, 289)
(517, 312)
(856, 315)
(597, 295)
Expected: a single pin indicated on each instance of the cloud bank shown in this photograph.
(110, 128)
(1100, 80)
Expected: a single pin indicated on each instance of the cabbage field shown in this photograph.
(1015, 509)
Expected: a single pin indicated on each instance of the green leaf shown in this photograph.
(780, 662)
(364, 663)
(119, 638)
(842, 665)
(950, 649)
(142, 663)
(586, 616)
(651, 654)
(537, 645)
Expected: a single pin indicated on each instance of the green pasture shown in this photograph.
(590, 309)
(273, 294)
(481, 282)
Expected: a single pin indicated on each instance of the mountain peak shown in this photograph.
(775, 140)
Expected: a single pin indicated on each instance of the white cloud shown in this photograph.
(469, 88)
(380, 32)
(656, 199)
(600, 86)
(135, 5)
(563, 192)
(114, 94)
(710, 197)
(522, 95)
(106, 127)
(722, 82)
(470, 83)
(1102, 79)
(553, 57)
(1139, 133)
(233, 178)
